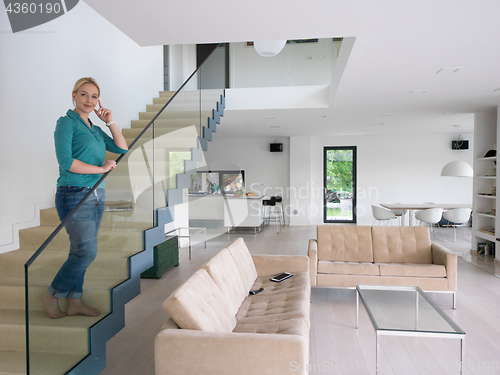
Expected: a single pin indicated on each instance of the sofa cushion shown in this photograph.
(244, 262)
(412, 270)
(284, 327)
(199, 304)
(345, 243)
(224, 271)
(288, 299)
(401, 245)
(348, 268)
(273, 307)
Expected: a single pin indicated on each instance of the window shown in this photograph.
(176, 166)
(339, 171)
(227, 183)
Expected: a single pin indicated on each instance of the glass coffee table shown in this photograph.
(406, 311)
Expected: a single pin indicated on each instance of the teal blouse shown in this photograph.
(74, 139)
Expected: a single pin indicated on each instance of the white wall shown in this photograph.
(390, 168)
(265, 172)
(300, 178)
(181, 65)
(38, 70)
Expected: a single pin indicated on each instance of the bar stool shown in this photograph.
(265, 211)
(268, 214)
(279, 207)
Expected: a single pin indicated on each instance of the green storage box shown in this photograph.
(165, 256)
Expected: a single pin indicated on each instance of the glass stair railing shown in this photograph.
(165, 146)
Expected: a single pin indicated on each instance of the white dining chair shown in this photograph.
(415, 211)
(382, 215)
(457, 217)
(400, 214)
(431, 216)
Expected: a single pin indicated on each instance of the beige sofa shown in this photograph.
(343, 256)
(216, 327)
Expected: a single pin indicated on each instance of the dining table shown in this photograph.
(410, 207)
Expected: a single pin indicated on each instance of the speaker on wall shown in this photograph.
(276, 147)
(460, 145)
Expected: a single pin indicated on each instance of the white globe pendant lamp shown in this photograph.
(269, 48)
(457, 168)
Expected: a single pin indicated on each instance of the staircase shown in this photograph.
(140, 195)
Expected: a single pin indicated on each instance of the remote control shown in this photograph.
(253, 292)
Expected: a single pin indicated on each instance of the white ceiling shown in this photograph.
(400, 45)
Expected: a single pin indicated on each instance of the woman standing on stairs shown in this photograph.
(80, 149)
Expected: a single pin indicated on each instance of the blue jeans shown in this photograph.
(82, 228)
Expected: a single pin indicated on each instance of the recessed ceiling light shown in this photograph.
(278, 133)
(325, 116)
(377, 124)
(275, 126)
(270, 117)
(419, 91)
(448, 113)
(448, 70)
(386, 114)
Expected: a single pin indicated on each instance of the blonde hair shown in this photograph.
(84, 80)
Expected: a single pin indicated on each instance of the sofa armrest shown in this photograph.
(312, 253)
(267, 265)
(184, 351)
(441, 255)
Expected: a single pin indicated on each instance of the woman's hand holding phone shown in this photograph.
(103, 113)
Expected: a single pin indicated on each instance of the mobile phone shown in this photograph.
(282, 276)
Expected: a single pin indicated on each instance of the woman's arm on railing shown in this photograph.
(83, 168)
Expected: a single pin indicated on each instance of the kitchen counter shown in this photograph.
(243, 212)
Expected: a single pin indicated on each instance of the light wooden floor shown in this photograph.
(336, 347)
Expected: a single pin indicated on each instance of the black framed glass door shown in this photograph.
(339, 171)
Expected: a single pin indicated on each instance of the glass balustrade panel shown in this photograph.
(145, 180)
(109, 225)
